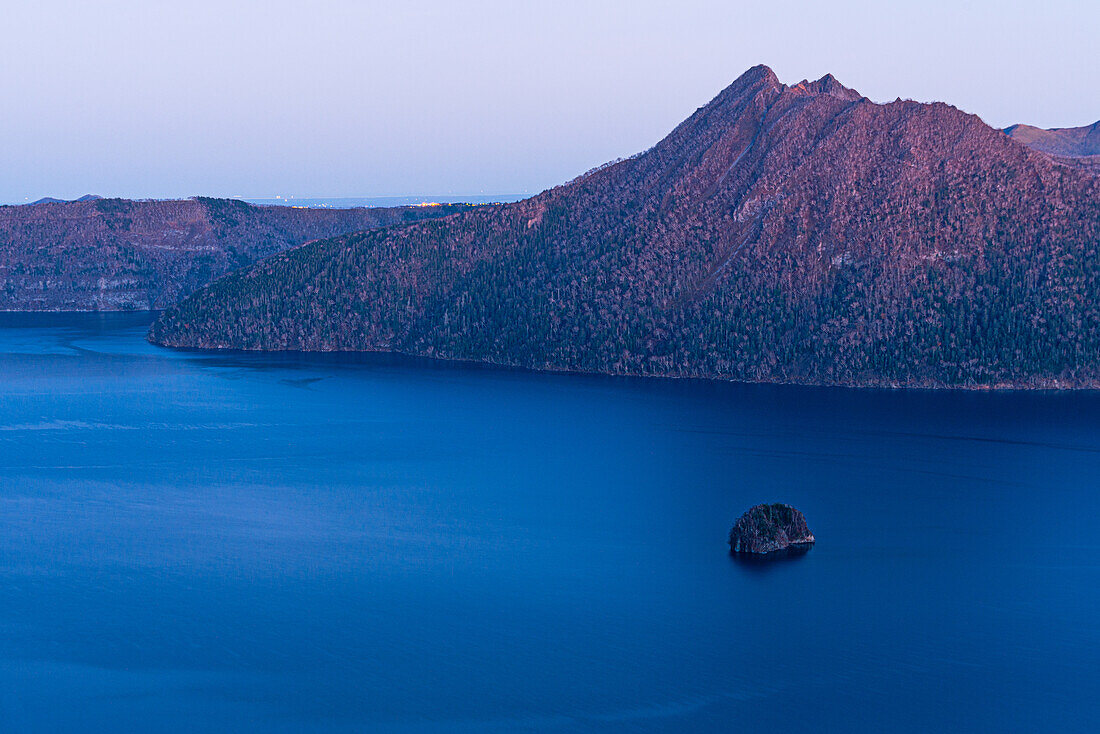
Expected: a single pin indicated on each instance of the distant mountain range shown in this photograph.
(51, 200)
(1071, 142)
(349, 202)
(782, 233)
(111, 254)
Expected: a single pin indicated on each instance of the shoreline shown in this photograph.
(891, 387)
(1049, 386)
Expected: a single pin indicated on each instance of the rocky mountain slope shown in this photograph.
(781, 233)
(109, 254)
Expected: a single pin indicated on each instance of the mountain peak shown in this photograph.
(760, 72)
(756, 78)
(756, 81)
(760, 77)
(827, 84)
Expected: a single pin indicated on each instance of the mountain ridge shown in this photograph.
(117, 254)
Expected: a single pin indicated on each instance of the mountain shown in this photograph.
(1060, 141)
(781, 233)
(108, 254)
(51, 200)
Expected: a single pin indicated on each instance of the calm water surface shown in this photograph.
(248, 543)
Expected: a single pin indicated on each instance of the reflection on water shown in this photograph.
(790, 553)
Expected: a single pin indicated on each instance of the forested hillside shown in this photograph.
(781, 233)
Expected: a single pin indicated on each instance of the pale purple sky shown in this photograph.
(258, 99)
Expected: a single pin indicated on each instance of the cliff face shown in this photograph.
(110, 254)
(781, 233)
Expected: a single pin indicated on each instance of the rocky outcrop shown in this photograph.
(770, 528)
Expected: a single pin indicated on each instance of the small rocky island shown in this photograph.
(770, 529)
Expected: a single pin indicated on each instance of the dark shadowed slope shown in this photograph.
(781, 233)
(109, 254)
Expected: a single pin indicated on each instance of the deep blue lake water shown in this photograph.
(254, 543)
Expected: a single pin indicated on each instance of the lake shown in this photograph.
(195, 542)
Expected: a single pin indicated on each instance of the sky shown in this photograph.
(340, 98)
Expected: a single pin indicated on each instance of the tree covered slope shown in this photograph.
(781, 233)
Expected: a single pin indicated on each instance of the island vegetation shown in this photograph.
(770, 529)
